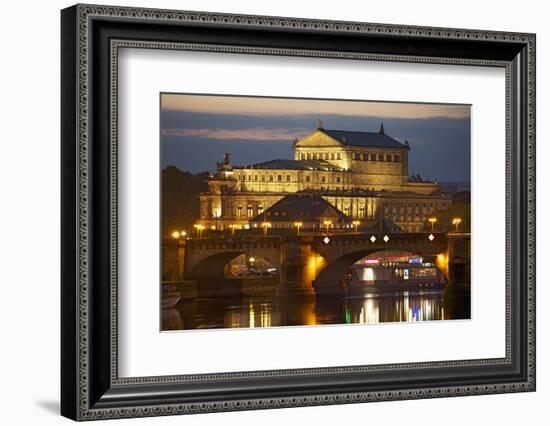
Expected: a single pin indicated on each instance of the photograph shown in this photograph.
(270, 208)
(306, 212)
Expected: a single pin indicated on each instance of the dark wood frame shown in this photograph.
(90, 386)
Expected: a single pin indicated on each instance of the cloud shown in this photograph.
(263, 106)
(258, 134)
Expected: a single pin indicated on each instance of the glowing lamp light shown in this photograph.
(183, 234)
(431, 237)
(371, 261)
(326, 240)
(457, 221)
(372, 239)
(175, 234)
(251, 259)
(386, 238)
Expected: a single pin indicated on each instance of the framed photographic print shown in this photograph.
(263, 212)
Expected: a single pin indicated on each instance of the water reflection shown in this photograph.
(250, 312)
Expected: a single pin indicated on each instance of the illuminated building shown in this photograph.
(364, 175)
(312, 211)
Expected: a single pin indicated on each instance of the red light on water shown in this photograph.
(371, 261)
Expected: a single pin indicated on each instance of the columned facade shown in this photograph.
(362, 174)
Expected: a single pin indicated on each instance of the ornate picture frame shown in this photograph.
(90, 41)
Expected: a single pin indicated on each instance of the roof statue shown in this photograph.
(381, 131)
(226, 164)
(319, 124)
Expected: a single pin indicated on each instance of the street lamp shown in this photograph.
(328, 224)
(356, 223)
(266, 226)
(175, 235)
(298, 225)
(457, 221)
(432, 220)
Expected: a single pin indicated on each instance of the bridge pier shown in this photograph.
(459, 257)
(173, 260)
(298, 267)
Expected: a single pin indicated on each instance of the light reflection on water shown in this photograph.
(259, 312)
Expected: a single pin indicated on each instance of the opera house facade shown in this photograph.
(363, 175)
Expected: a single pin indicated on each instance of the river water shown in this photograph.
(255, 312)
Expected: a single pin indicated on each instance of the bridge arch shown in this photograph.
(214, 265)
(329, 279)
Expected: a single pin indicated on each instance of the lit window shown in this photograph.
(308, 178)
(339, 156)
(271, 178)
(338, 179)
(279, 178)
(323, 179)
(288, 178)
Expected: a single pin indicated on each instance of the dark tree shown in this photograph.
(180, 199)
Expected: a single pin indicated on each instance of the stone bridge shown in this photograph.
(208, 257)
(310, 262)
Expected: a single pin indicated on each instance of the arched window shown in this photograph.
(339, 156)
(333, 156)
